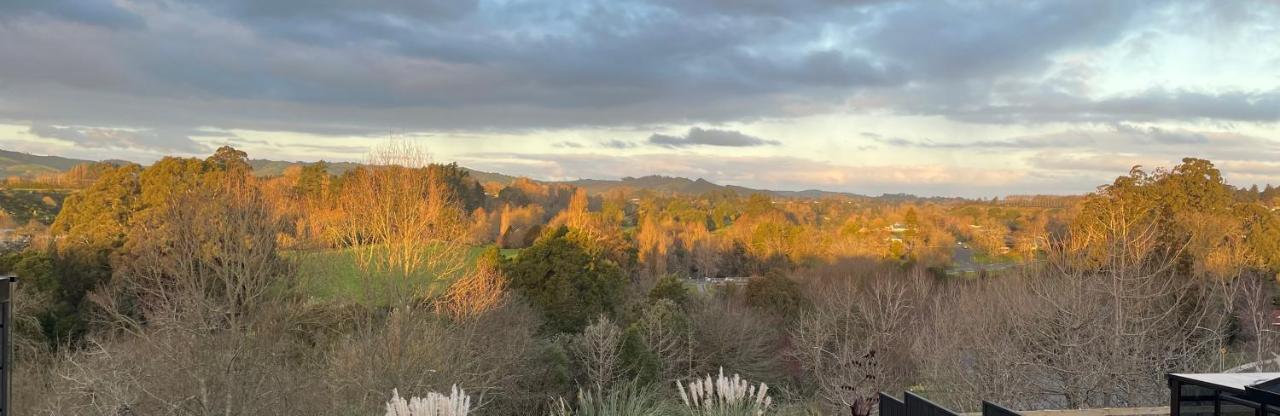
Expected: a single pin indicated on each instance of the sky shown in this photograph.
(970, 98)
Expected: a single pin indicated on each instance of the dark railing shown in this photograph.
(916, 405)
(992, 409)
(891, 406)
(920, 406)
(6, 350)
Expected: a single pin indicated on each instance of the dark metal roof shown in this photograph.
(1230, 381)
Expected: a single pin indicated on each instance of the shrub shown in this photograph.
(626, 400)
(658, 345)
(777, 294)
(732, 336)
(669, 287)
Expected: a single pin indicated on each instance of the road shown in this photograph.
(963, 261)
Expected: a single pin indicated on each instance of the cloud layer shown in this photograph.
(1079, 80)
(109, 138)
(341, 67)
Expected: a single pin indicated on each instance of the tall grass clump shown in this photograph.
(624, 400)
(724, 396)
(457, 403)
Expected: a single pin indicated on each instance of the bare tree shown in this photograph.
(732, 335)
(1103, 332)
(597, 349)
(854, 342)
(706, 254)
(404, 225)
(210, 253)
(1097, 325)
(967, 348)
(194, 314)
(417, 351)
(667, 332)
(1255, 309)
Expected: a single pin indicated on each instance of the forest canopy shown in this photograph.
(194, 284)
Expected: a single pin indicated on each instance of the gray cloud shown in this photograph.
(1151, 105)
(1114, 148)
(618, 144)
(353, 152)
(103, 13)
(107, 138)
(1115, 164)
(1264, 169)
(567, 144)
(961, 40)
(1163, 136)
(710, 137)
(1030, 142)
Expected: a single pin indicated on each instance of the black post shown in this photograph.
(6, 345)
(992, 409)
(919, 406)
(891, 406)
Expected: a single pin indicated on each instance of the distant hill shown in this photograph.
(29, 165)
(485, 177)
(655, 183)
(686, 186)
(24, 164)
(265, 167)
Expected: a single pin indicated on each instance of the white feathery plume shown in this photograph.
(457, 403)
(706, 395)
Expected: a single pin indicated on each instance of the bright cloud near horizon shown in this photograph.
(961, 98)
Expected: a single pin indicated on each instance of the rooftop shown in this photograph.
(1233, 381)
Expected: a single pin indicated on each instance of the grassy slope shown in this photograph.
(335, 275)
(25, 164)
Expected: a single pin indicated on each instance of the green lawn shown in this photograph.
(983, 258)
(335, 275)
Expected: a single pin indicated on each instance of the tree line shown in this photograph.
(177, 288)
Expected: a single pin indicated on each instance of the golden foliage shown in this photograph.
(480, 291)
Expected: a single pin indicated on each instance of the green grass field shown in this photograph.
(335, 275)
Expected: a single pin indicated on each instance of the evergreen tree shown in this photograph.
(567, 283)
(313, 182)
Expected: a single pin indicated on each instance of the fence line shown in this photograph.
(915, 405)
